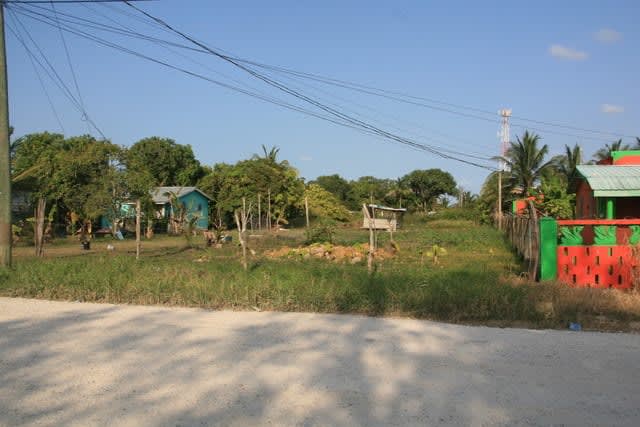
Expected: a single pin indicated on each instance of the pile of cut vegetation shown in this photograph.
(352, 254)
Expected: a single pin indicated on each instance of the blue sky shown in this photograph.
(573, 63)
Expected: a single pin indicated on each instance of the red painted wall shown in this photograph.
(628, 160)
(596, 266)
(585, 203)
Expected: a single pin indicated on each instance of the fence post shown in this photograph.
(548, 248)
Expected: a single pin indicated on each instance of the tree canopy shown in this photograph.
(167, 162)
(428, 185)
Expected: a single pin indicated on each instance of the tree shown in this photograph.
(258, 176)
(78, 177)
(270, 155)
(427, 185)
(605, 152)
(557, 202)
(34, 169)
(525, 161)
(324, 204)
(567, 164)
(167, 162)
(369, 189)
(335, 185)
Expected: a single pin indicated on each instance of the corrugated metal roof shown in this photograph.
(160, 195)
(611, 180)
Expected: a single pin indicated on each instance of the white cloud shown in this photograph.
(607, 35)
(306, 158)
(612, 109)
(564, 52)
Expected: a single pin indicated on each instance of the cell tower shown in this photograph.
(505, 113)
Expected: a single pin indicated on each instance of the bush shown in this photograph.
(321, 232)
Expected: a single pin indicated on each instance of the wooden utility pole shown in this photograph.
(5, 166)
(138, 204)
(499, 207)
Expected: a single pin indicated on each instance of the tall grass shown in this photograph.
(475, 282)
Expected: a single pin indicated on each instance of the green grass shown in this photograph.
(476, 282)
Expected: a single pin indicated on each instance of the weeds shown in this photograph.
(477, 282)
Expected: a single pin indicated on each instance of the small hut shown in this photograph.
(382, 217)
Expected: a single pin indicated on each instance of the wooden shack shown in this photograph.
(382, 217)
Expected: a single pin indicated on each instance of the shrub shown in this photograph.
(322, 231)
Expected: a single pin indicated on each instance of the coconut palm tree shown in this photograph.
(567, 164)
(526, 162)
(605, 152)
(271, 154)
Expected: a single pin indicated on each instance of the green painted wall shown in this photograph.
(548, 249)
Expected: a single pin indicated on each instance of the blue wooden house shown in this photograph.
(192, 199)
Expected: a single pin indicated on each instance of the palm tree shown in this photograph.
(271, 154)
(526, 161)
(567, 165)
(605, 152)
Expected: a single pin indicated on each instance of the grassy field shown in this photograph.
(477, 281)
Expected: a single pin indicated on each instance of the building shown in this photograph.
(193, 200)
(611, 189)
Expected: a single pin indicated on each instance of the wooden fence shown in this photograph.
(523, 232)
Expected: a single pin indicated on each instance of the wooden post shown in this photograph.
(259, 215)
(306, 209)
(371, 239)
(269, 210)
(138, 209)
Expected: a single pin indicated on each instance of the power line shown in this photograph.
(35, 69)
(396, 95)
(129, 32)
(340, 119)
(68, 55)
(58, 80)
(65, 1)
(307, 99)
(185, 71)
(370, 90)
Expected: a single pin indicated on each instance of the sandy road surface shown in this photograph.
(73, 364)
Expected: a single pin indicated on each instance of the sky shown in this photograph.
(572, 63)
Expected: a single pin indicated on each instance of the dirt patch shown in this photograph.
(353, 254)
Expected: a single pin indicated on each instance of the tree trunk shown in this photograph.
(39, 226)
(241, 239)
(306, 209)
(138, 229)
(259, 215)
(269, 210)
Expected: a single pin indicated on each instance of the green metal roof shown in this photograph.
(611, 180)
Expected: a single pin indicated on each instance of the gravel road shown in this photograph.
(75, 364)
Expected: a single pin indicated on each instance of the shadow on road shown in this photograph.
(83, 364)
